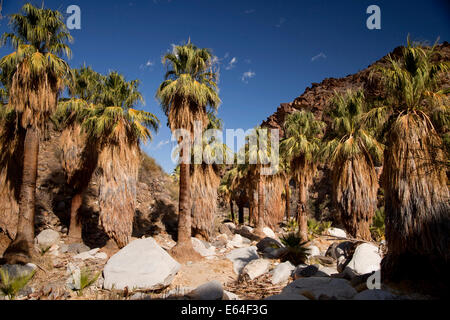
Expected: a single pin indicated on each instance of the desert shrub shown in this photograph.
(295, 250)
(11, 286)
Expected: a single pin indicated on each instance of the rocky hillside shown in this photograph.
(317, 100)
(156, 198)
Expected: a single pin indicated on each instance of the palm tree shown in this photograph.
(118, 129)
(351, 149)
(188, 89)
(39, 38)
(226, 189)
(12, 136)
(415, 185)
(301, 146)
(205, 183)
(79, 154)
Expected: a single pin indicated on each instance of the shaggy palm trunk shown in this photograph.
(75, 227)
(416, 204)
(275, 208)
(241, 214)
(288, 199)
(232, 210)
(117, 190)
(261, 204)
(355, 193)
(301, 210)
(204, 185)
(19, 251)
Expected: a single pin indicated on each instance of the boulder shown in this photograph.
(247, 229)
(336, 232)
(267, 245)
(326, 271)
(240, 257)
(313, 251)
(305, 271)
(365, 260)
(200, 247)
(74, 280)
(256, 268)
(269, 233)
(17, 270)
(209, 291)
(375, 295)
(282, 272)
(229, 296)
(322, 287)
(224, 229)
(287, 296)
(142, 264)
(47, 238)
(231, 226)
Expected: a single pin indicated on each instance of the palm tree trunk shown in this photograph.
(241, 214)
(261, 203)
(19, 251)
(288, 199)
(232, 210)
(75, 227)
(301, 211)
(416, 205)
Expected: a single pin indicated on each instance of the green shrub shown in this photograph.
(86, 280)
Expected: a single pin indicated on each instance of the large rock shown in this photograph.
(240, 257)
(321, 287)
(209, 291)
(282, 272)
(336, 232)
(268, 244)
(256, 268)
(142, 264)
(47, 238)
(375, 295)
(313, 251)
(287, 296)
(201, 248)
(17, 271)
(269, 233)
(365, 260)
(304, 270)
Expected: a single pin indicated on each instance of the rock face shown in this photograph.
(47, 238)
(365, 260)
(240, 257)
(321, 288)
(256, 268)
(142, 264)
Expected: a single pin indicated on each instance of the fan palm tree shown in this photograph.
(351, 149)
(188, 89)
(118, 129)
(301, 146)
(415, 185)
(226, 189)
(79, 154)
(37, 74)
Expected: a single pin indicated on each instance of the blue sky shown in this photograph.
(269, 51)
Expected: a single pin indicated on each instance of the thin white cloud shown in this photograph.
(282, 21)
(231, 64)
(162, 144)
(249, 11)
(248, 75)
(319, 56)
(148, 65)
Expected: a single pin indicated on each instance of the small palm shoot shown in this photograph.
(295, 252)
(10, 287)
(86, 280)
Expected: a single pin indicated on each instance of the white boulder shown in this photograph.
(282, 272)
(142, 264)
(336, 232)
(365, 260)
(321, 286)
(240, 257)
(256, 268)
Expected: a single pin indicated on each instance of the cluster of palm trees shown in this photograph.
(405, 132)
(100, 130)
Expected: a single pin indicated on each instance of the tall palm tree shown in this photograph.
(118, 129)
(37, 71)
(205, 183)
(79, 154)
(226, 189)
(301, 146)
(351, 149)
(12, 136)
(415, 185)
(188, 89)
